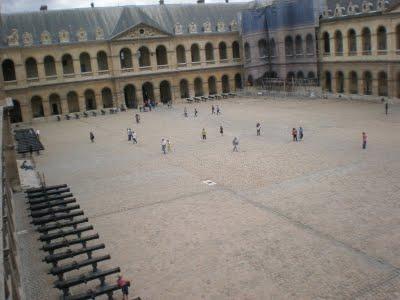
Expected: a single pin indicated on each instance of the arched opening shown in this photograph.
(73, 102)
(382, 39)
(382, 84)
(195, 53)
(165, 92)
(90, 100)
(328, 81)
(68, 64)
(290, 76)
(353, 82)
(130, 96)
(106, 97)
(338, 43)
(367, 83)
(250, 80)
(161, 55)
(289, 46)
(223, 54)
(198, 87)
(148, 92)
(272, 47)
(398, 37)
(327, 43)
(180, 55)
(339, 82)
(144, 57)
(102, 61)
(125, 58)
(300, 75)
(247, 52)
(37, 107)
(55, 104)
(262, 48)
(299, 45)
(225, 84)
(8, 70)
(212, 85)
(366, 41)
(49, 66)
(184, 88)
(238, 82)
(309, 44)
(209, 52)
(31, 68)
(15, 112)
(235, 50)
(86, 65)
(311, 75)
(352, 42)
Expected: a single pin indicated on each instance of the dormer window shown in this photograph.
(141, 31)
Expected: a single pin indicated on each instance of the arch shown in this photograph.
(238, 82)
(353, 82)
(86, 64)
(381, 38)
(338, 43)
(8, 68)
(250, 80)
(209, 52)
(311, 75)
(300, 75)
(272, 47)
(148, 92)
(398, 37)
(247, 51)
(309, 44)
(165, 92)
(161, 55)
(288, 46)
(290, 76)
(225, 84)
(327, 42)
(382, 84)
(223, 53)
(328, 81)
(180, 54)
(235, 49)
(195, 53)
(367, 78)
(102, 61)
(298, 45)
(15, 113)
(198, 87)
(49, 66)
(73, 102)
(212, 85)
(68, 64)
(184, 88)
(125, 58)
(339, 82)
(55, 104)
(366, 41)
(130, 96)
(90, 100)
(352, 41)
(144, 57)
(31, 68)
(37, 107)
(106, 97)
(262, 48)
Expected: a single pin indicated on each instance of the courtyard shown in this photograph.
(316, 219)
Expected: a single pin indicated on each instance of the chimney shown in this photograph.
(92, 4)
(43, 7)
(200, 1)
(161, 2)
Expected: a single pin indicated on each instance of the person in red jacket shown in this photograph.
(124, 285)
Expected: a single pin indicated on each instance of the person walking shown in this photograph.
(386, 107)
(129, 131)
(163, 145)
(258, 126)
(134, 137)
(301, 134)
(218, 110)
(124, 285)
(38, 134)
(91, 135)
(204, 134)
(195, 112)
(221, 130)
(137, 117)
(169, 146)
(364, 140)
(212, 109)
(294, 134)
(185, 112)
(235, 144)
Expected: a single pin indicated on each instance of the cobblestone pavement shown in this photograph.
(317, 219)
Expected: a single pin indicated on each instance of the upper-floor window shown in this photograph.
(8, 70)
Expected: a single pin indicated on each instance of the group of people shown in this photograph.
(132, 136)
(297, 135)
(166, 145)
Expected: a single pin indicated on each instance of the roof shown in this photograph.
(115, 20)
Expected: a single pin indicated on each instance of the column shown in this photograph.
(46, 107)
(82, 104)
(41, 74)
(94, 65)
(188, 55)
(64, 106)
(172, 62)
(77, 67)
(99, 101)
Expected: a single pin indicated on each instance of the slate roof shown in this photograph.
(115, 20)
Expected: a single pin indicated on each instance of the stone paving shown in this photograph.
(317, 219)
